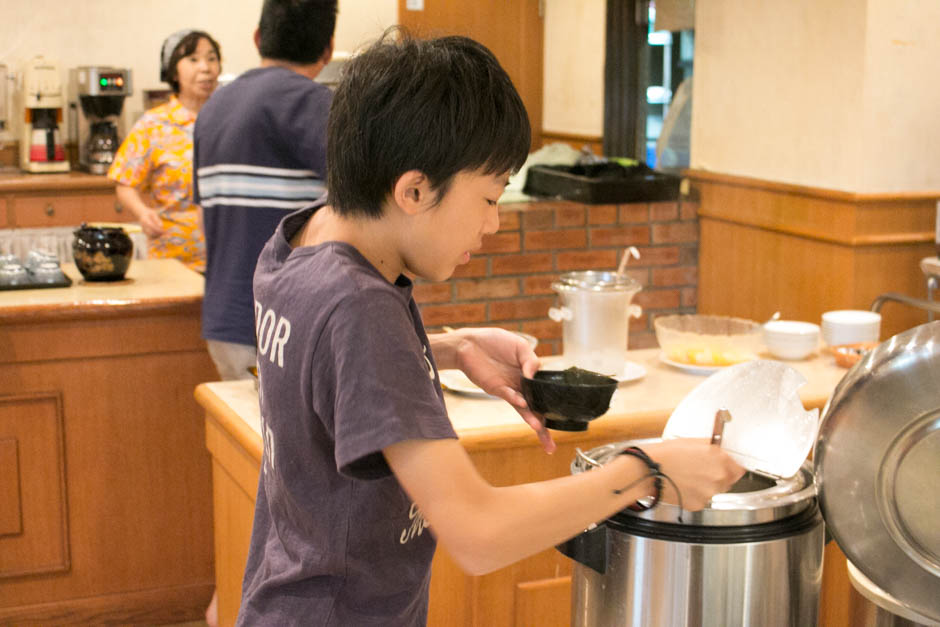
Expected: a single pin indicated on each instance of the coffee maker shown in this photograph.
(42, 100)
(96, 98)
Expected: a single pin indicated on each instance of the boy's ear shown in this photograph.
(412, 192)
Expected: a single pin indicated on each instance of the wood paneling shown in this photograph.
(546, 603)
(115, 396)
(768, 247)
(11, 511)
(512, 29)
(234, 487)
(38, 542)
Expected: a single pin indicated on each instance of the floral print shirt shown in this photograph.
(156, 158)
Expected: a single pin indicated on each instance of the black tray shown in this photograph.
(35, 285)
(602, 183)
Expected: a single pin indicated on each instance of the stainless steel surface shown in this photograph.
(877, 462)
(652, 582)
(878, 609)
(920, 303)
(754, 499)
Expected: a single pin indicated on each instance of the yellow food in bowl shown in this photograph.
(703, 340)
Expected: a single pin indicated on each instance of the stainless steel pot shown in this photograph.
(753, 557)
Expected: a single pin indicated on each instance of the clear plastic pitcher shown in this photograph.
(595, 312)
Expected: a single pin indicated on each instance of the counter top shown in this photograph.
(150, 284)
(638, 408)
(15, 180)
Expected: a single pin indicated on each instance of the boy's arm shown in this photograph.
(494, 359)
(485, 528)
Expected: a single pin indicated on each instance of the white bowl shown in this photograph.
(791, 339)
(850, 326)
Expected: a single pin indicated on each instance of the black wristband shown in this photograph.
(651, 501)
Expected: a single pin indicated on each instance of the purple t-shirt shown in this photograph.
(345, 370)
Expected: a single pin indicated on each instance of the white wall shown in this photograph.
(901, 117)
(840, 94)
(126, 33)
(573, 82)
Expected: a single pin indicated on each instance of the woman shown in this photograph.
(153, 167)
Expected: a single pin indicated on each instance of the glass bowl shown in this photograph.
(703, 340)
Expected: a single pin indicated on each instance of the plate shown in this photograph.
(456, 381)
(690, 368)
(632, 371)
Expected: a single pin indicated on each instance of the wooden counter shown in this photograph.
(105, 484)
(535, 591)
(14, 180)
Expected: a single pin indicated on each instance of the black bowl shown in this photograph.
(102, 253)
(568, 399)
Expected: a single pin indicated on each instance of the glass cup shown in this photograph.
(48, 272)
(37, 257)
(13, 274)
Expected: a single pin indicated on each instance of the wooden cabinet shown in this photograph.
(105, 487)
(533, 591)
(66, 209)
(36, 201)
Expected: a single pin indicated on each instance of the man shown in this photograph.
(260, 152)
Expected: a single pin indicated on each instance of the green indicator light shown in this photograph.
(103, 81)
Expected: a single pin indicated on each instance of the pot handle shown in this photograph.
(559, 314)
(590, 547)
(634, 311)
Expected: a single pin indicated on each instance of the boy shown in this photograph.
(359, 455)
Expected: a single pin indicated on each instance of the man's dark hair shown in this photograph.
(439, 106)
(184, 48)
(297, 31)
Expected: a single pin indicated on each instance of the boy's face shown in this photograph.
(450, 232)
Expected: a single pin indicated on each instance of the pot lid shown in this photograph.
(594, 280)
(753, 500)
(770, 432)
(877, 463)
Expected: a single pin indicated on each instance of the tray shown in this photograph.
(35, 285)
(602, 183)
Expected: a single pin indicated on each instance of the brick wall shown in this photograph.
(508, 283)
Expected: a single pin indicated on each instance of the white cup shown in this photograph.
(850, 326)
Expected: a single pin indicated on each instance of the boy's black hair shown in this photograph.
(184, 48)
(297, 31)
(439, 106)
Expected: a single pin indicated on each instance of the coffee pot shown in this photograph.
(96, 100)
(41, 145)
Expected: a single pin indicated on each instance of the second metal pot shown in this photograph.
(753, 557)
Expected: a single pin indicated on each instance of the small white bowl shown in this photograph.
(850, 326)
(791, 339)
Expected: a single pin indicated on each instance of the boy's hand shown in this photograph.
(496, 360)
(699, 469)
